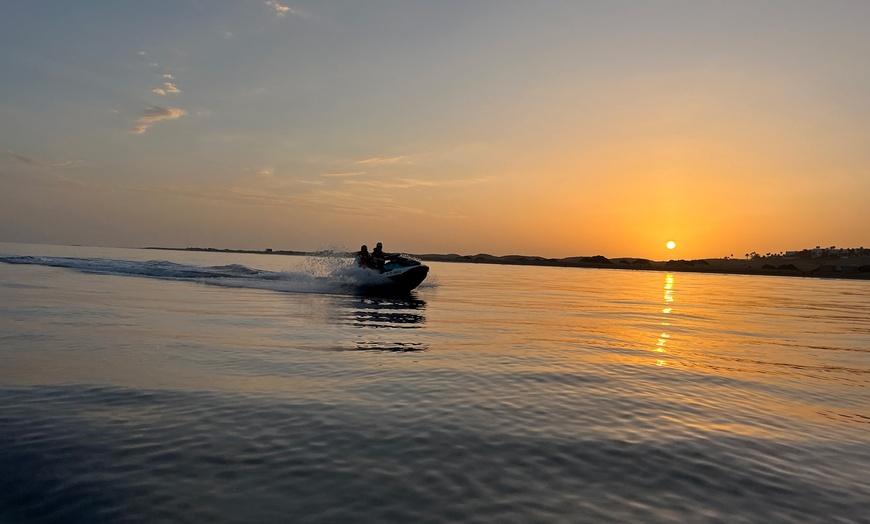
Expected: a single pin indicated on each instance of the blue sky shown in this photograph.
(553, 128)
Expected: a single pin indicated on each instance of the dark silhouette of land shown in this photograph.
(830, 263)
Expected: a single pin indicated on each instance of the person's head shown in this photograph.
(380, 245)
(364, 248)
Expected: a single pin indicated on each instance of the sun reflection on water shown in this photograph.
(668, 300)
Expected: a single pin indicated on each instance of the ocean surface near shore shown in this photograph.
(172, 386)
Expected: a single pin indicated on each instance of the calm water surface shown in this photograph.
(492, 394)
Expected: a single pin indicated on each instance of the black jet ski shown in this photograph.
(399, 275)
(405, 272)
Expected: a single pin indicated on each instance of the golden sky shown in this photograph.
(549, 128)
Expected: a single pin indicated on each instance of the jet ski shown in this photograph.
(405, 272)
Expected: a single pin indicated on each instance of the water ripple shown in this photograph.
(153, 456)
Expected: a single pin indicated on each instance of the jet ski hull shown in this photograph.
(400, 275)
(407, 278)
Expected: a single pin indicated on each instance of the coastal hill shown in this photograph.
(857, 267)
(831, 263)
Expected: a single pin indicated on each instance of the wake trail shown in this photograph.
(330, 275)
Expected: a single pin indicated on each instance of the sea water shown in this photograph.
(167, 386)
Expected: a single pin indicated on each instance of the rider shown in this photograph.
(363, 258)
(379, 257)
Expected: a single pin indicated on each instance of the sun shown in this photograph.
(671, 244)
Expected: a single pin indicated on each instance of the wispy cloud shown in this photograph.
(280, 10)
(168, 88)
(267, 178)
(342, 175)
(35, 162)
(71, 163)
(51, 171)
(407, 183)
(352, 202)
(313, 200)
(153, 114)
(380, 160)
(25, 159)
(404, 183)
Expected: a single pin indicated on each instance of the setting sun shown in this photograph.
(671, 244)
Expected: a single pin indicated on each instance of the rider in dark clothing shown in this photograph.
(363, 258)
(379, 257)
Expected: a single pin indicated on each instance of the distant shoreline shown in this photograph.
(845, 268)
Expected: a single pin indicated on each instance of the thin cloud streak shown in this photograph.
(48, 172)
(39, 163)
(400, 184)
(71, 163)
(406, 183)
(379, 160)
(153, 114)
(25, 159)
(265, 176)
(341, 175)
(316, 200)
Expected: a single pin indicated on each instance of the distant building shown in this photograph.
(832, 252)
